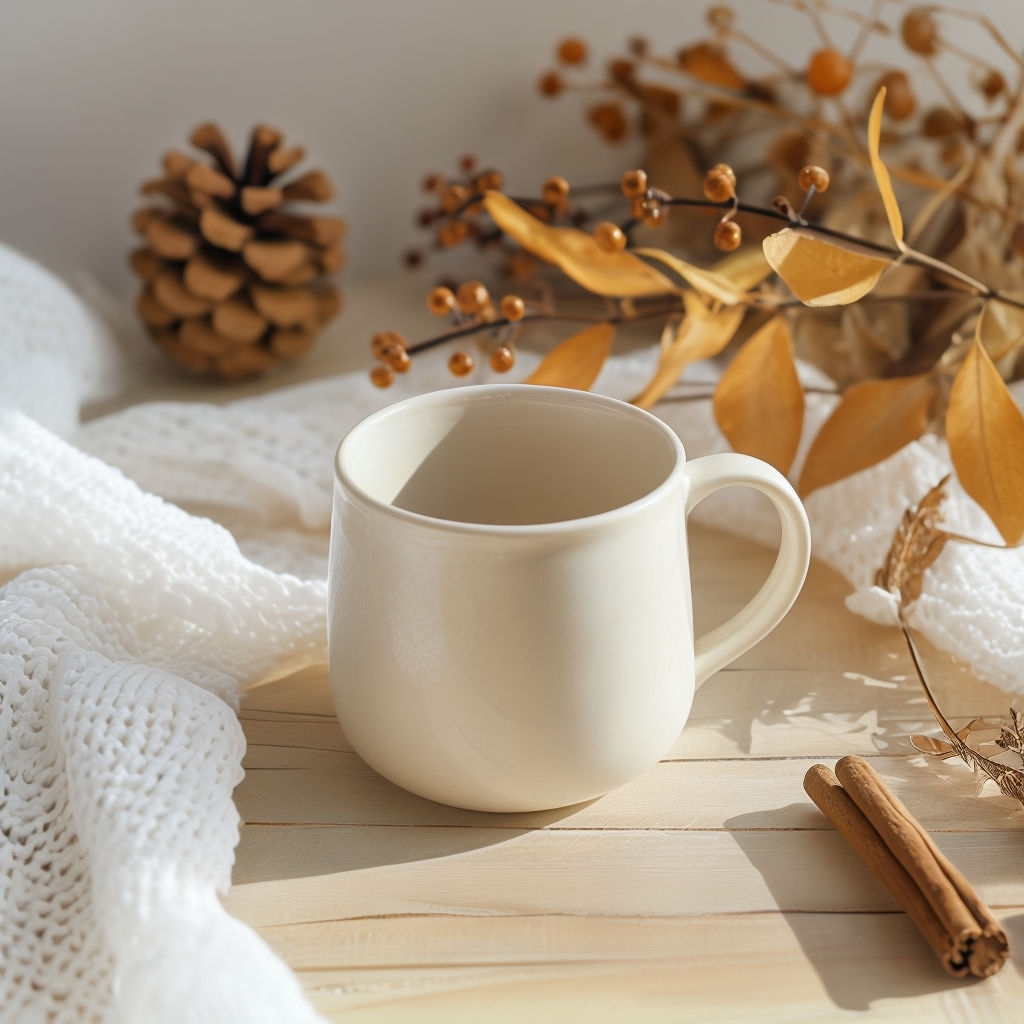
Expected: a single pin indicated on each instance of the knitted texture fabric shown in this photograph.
(157, 561)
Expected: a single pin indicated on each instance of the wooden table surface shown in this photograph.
(708, 889)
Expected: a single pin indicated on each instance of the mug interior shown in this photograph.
(515, 455)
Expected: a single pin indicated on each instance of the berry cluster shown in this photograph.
(471, 312)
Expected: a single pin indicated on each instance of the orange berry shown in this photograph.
(382, 376)
(992, 84)
(460, 364)
(452, 233)
(637, 46)
(814, 177)
(656, 216)
(384, 341)
(728, 235)
(720, 17)
(829, 72)
(555, 190)
(472, 297)
(900, 100)
(454, 197)
(621, 71)
(634, 184)
(488, 181)
(572, 51)
(610, 237)
(940, 122)
(520, 266)
(550, 84)
(397, 358)
(610, 120)
(467, 163)
(433, 183)
(441, 301)
(502, 359)
(920, 32)
(720, 183)
(513, 308)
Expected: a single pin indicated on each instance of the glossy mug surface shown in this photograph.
(510, 616)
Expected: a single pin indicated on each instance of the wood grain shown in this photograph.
(708, 889)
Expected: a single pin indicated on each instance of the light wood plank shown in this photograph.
(325, 787)
(734, 968)
(400, 870)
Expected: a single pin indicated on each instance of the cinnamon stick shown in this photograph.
(962, 931)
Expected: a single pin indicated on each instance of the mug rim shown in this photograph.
(567, 396)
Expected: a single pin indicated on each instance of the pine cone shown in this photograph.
(233, 284)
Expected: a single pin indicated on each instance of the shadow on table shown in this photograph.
(861, 956)
(361, 820)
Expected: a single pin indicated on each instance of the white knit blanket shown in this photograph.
(155, 563)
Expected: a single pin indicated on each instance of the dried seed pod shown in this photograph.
(920, 32)
(900, 99)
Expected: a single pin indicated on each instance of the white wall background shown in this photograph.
(92, 92)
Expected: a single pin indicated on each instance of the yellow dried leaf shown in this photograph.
(759, 403)
(881, 172)
(985, 430)
(577, 254)
(701, 335)
(938, 199)
(1001, 327)
(577, 361)
(746, 268)
(821, 273)
(873, 420)
(707, 282)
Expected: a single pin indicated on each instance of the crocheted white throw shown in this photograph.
(157, 561)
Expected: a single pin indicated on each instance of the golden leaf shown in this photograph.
(820, 273)
(881, 172)
(930, 745)
(873, 420)
(577, 361)
(577, 254)
(985, 430)
(759, 403)
(1001, 327)
(746, 268)
(938, 199)
(701, 335)
(707, 282)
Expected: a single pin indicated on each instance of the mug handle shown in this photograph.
(756, 619)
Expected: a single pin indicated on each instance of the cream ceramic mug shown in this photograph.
(510, 616)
